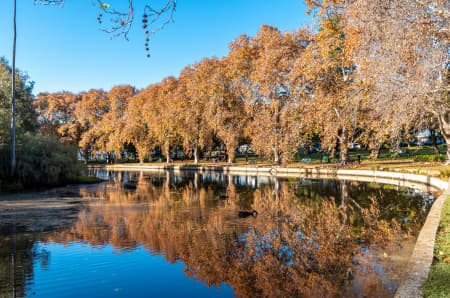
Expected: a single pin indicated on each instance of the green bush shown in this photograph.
(96, 161)
(430, 157)
(41, 161)
(127, 160)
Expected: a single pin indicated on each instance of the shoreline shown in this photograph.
(399, 178)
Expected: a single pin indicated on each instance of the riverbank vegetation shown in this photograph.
(40, 160)
(368, 74)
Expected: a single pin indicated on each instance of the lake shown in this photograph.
(166, 234)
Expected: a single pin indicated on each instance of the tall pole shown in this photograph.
(13, 100)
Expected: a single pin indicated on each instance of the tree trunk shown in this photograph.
(444, 123)
(230, 151)
(13, 99)
(167, 151)
(344, 147)
(375, 151)
(86, 156)
(196, 154)
(433, 141)
(276, 156)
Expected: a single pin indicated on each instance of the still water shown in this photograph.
(163, 234)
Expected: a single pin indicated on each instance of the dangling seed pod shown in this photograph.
(144, 26)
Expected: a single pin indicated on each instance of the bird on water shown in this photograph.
(244, 214)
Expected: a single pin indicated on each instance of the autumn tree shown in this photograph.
(136, 130)
(194, 93)
(406, 43)
(163, 114)
(275, 127)
(226, 108)
(112, 123)
(58, 117)
(89, 112)
(329, 69)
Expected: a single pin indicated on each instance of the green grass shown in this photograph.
(425, 152)
(421, 153)
(438, 282)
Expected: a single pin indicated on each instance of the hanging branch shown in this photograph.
(121, 21)
(153, 17)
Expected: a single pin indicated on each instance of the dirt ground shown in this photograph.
(40, 211)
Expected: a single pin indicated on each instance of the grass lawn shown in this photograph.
(438, 282)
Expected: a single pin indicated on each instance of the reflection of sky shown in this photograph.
(86, 271)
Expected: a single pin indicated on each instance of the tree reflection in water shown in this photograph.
(310, 238)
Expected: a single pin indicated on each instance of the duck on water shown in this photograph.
(245, 214)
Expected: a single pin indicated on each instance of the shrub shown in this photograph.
(41, 161)
(430, 158)
(96, 161)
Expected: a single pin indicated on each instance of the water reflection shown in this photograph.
(311, 237)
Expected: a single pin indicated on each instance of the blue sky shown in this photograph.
(63, 48)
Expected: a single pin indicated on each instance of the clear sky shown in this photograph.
(63, 48)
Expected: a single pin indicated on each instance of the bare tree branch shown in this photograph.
(121, 22)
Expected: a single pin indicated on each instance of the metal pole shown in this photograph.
(13, 99)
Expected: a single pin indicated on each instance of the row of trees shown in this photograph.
(367, 72)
